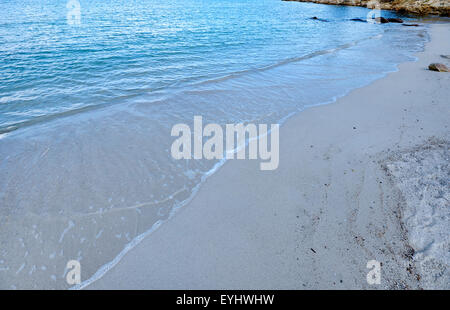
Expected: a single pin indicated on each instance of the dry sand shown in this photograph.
(422, 176)
(326, 211)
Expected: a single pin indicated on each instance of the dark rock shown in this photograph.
(438, 67)
(411, 25)
(319, 19)
(358, 20)
(381, 20)
(395, 20)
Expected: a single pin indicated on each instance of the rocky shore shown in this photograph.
(421, 7)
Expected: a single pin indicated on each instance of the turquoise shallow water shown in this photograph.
(88, 109)
(124, 51)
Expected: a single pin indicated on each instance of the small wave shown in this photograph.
(45, 118)
(288, 61)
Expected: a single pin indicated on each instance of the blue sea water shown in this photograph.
(125, 51)
(86, 109)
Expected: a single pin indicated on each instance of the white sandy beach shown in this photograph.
(326, 211)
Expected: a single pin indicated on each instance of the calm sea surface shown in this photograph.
(129, 50)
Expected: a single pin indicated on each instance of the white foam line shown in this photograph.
(20, 268)
(71, 224)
